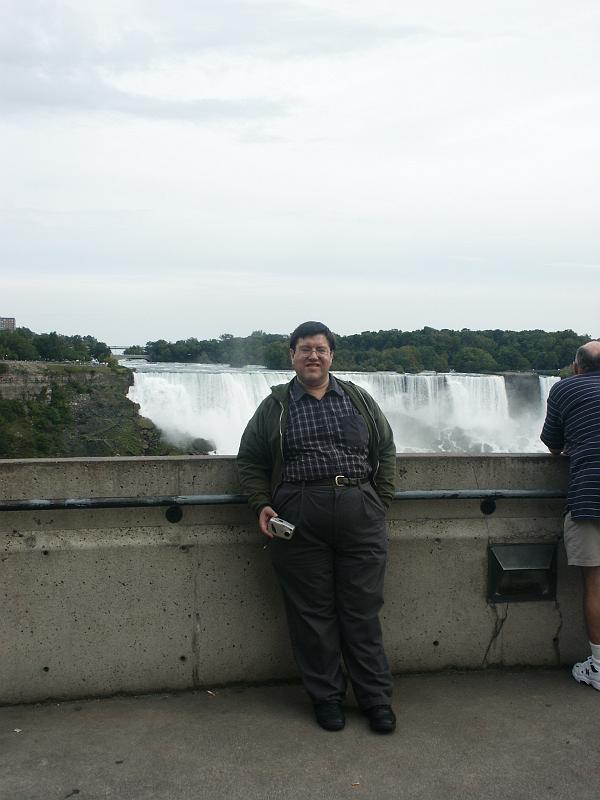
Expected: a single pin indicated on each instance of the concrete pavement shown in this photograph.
(487, 735)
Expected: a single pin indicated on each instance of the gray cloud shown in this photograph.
(275, 29)
(51, 32)
(85, 91)
(52, 56)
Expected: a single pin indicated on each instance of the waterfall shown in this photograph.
(443, 412)
(428, 412)
(546, 383)
(193, 401)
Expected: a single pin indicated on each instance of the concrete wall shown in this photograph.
(105, 601)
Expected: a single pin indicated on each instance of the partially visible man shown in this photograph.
(320, 454)
(572, 427)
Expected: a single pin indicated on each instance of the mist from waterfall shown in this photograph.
(428, 412)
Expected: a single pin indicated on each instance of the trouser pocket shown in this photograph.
(288, 502)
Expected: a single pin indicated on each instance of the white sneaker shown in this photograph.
(587, 672)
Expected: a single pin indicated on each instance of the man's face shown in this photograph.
(312, 359)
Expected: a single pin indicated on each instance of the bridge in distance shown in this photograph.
(119, 349)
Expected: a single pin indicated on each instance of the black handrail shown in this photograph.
(39, 504)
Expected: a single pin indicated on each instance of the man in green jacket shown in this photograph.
(320, 454)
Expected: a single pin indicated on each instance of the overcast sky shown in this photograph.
(178, 168)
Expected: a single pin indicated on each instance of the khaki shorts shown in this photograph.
(582, 541)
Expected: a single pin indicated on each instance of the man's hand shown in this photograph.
(263, 520)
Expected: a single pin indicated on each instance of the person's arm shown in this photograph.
(553, 434)
(386, 454)
(254, 467)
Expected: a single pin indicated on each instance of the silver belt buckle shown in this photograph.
(338, 478)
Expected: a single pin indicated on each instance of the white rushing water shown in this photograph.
(546, 383)
(428, 412)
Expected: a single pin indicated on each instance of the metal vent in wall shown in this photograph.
(518, 573)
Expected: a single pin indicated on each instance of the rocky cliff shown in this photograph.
(67, 410)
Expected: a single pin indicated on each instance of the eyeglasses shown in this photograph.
(306, 351)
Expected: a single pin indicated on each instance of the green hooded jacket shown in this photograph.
(260, 457)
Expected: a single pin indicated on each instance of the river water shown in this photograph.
(428, 412)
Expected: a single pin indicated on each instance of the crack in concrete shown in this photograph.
(196, 634)
(196, 648)
(498, 625)
(556, 637)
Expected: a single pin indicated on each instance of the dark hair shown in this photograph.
(311, 329)
(587, 359)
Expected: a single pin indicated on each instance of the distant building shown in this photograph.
(7, 323)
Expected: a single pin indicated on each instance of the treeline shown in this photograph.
(401, 351)
(258, 348)
(25, 345)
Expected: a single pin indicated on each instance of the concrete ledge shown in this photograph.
(107, 601)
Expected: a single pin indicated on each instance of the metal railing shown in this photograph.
(487, 496)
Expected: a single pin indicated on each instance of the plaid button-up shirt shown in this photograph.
(324, 438)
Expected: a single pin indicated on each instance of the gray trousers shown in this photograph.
(331, 573)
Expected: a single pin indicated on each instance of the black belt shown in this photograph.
(337, 480)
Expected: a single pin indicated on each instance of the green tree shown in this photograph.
(510, 359)
(51, 346)
(18, 345)
(432, 359)
(277, 356)
(474, 359)
(409, 356)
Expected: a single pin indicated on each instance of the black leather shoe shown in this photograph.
(381, 719)
(330, 716)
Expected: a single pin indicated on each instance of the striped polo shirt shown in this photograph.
(573, 423)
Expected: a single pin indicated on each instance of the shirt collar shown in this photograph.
(298, 391)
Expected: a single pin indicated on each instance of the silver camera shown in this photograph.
(280, 528)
